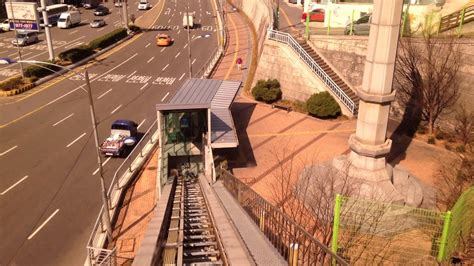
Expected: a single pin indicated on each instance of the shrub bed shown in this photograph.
(76, 54)
(11, 83)
(37, 71)
(267, 91)
(323, 105)
(108, 39)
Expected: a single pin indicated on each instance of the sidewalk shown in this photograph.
(138, 207)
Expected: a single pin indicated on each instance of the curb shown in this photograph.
(64, 69)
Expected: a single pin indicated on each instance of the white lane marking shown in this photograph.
(1, 52)
(72, 44)
(169, 20)
(141, 123)
(97, 170)
(23, 55)
(10, 55)
(62, 120)
(147, 45)
(182, 76)
(177, 54)
(72, 32)
(162, 99)
(101, 29)
(133, 73)
(95, 78)
(43, 224)
(185, 46)
(151, 59)
(162, 49)
(146, 84)
(9, 150)
(14, 185)
(165, 67)
(103, 94)
(115, 110)
(193, 61)
(74, 141)
(178, 31)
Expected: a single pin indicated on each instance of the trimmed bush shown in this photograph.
(108, 39)
(267, 91)
(134, 28)
(323, 105)
(76, 54)
(431, 140)
(461, 148)
(35, 71)
(11, 83)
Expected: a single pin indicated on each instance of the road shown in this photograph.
(63, 39)
(49, 195)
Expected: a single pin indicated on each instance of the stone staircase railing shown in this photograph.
(338, 87)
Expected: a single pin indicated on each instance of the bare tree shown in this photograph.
(464, 126)
(426, 75)
(453, 177)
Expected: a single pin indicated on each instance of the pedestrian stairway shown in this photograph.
(329, 71)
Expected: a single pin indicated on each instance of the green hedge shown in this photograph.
(76, 54)
(35, 71)
(323, 105)
(11, 83)
(267, 91)
(108, 39)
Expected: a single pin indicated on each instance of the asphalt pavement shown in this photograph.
(49, 194)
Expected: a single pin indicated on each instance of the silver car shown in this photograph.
(97, 23)
(25, 38)
(360, 26)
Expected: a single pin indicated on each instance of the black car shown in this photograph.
(101, 11)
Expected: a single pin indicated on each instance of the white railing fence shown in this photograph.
(286, 38)
(97, 254)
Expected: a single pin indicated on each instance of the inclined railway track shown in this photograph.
(192, 238)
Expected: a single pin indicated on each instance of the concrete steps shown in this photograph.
(331, 73)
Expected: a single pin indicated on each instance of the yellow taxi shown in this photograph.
(163, 40)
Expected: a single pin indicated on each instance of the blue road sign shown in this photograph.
(24, 25)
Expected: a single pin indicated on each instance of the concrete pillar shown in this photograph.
(369, 144)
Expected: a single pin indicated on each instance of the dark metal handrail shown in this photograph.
(284, 233)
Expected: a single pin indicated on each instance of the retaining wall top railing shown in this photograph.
(295, 245)
(290, 41)
(122, 177)
(457, 18)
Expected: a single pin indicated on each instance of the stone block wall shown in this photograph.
(279, 62)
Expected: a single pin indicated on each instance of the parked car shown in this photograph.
(101, 11)
(163, 40)
(118, 3)
(5, 25)
(144, 5)
(89, 4)
(97, 23)
(360, 26)
(25, 38)
(315, 15)
(295, 2)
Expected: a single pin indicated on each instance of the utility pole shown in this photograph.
(16, 37)
(125, 13)
(189, 41)
(105, 202)
(47, 31)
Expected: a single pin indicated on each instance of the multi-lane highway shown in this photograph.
(49, 194)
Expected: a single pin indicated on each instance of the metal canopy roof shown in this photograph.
(216, 95)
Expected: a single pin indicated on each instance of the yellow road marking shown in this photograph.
(236, 49)
(287, 19)
(69, 74)
(301, 133)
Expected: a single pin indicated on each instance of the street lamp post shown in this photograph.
(16, 37)
(189, 41)
(105, 216)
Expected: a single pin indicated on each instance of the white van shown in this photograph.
(69, 19)
(144, 5)
(189, 17)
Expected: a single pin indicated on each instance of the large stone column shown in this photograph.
(369, 145)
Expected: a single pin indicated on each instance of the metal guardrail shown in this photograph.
(219, 51)
(296, 246)
(457, 19)
(290, 41)
(97, 255)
